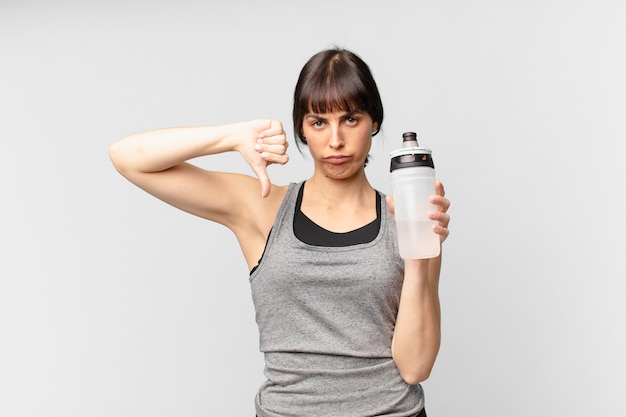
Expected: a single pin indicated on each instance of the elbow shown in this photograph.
(116, 155)
(416, 375)
(415, 366)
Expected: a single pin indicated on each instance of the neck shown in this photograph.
(333, 191)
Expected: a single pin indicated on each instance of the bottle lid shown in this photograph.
(411, 155)
(409, 140)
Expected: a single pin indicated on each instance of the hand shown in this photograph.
(440, 216)
(268, 146)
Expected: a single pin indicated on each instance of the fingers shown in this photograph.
(442, 219)
(439, 200)
(273, 153)
(272, 144)
(442, 203)
(440, 216)
(439, 188)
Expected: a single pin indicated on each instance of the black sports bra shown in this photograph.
(310, 233)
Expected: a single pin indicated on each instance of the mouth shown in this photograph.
(336, 159)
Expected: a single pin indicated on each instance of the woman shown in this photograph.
(347, 327)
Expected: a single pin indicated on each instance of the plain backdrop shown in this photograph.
(113, 303)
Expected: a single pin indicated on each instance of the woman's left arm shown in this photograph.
(417, 334)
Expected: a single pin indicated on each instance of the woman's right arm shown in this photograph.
(156, 162)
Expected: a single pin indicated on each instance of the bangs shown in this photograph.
(334, 90)
(337, 98)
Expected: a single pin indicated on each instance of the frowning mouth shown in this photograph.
(336, 159)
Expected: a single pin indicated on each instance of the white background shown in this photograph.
(115, 304)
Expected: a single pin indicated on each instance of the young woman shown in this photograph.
(346, 326)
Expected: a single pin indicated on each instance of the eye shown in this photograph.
(317, 124)
(352, 121)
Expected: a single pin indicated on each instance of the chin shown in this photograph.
(343, 174)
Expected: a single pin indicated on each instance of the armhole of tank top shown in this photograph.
(279, 216)
(262, 254)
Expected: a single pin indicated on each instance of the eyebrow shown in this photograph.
(343, 116)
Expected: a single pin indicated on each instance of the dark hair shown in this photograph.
(335, 80)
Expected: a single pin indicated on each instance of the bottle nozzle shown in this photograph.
(409, 140)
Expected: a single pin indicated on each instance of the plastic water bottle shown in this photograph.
(412, 183)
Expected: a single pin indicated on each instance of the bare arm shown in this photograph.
(156, 161)
(417, 334)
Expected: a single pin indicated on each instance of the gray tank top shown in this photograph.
(326, 317)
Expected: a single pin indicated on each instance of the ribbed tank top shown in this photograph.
(326, 317)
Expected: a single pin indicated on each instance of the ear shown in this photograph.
(374, 127)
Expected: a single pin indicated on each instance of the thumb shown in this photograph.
(264, 179)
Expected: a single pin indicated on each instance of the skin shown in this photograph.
(337, 196)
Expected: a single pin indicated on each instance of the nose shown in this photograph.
(336, 138)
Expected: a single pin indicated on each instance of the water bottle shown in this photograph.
(412, 183)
